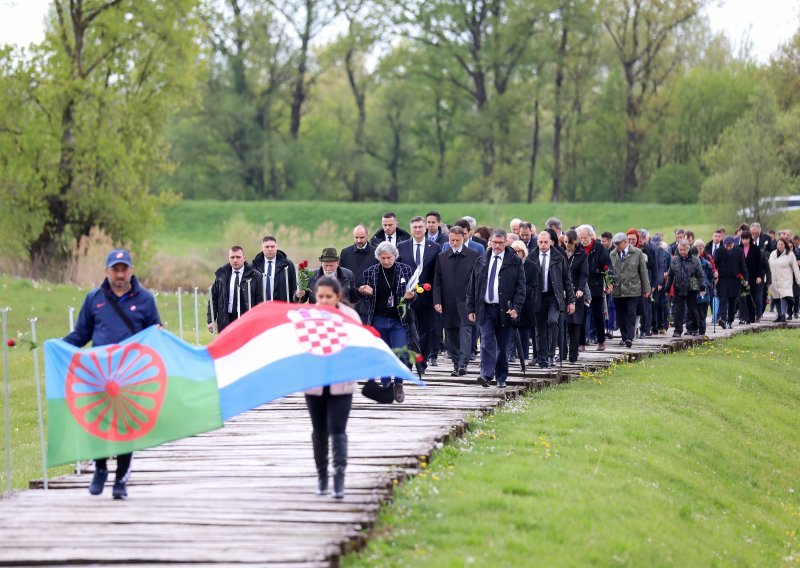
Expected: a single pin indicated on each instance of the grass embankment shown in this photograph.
(50, 303)
(681, 460)
(198, 224)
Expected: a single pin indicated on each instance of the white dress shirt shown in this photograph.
(496, 287)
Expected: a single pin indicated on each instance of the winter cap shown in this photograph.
(620, 238)
(728, 240)
(118, 256)
(329, 255)
(656, 240)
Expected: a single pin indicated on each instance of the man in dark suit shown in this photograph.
(751, 307)
(237, 288)
(495, 296)
(526, 235)
(715, 244)
(470, 242)
(556, 295)
(357, 258)
(435, 233)
(731, 269)
(414, 252)
(453, 270)
(766, 245)
(389, 231)
(280, 277)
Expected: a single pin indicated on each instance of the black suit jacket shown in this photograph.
(357, 261)
(407, 256)
(597, 261)
(755, 265)
(558, 277)
(511, 285)
(399, 236)
(709, 249)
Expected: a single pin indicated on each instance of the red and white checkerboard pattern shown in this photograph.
(321, 336)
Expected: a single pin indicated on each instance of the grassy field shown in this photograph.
(50, 304)
(682, 460)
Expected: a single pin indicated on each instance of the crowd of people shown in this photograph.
(540, 296)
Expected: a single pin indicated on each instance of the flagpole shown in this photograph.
(6, 399)
(180, 312)
(196, 320)
(71, 319)
(249, 301)
(37, 378)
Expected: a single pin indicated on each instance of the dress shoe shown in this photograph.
(621, 342)
(628, 343)
(601, 347)
(462, 371)
(721, 323)
(454, 373)
(484, 381)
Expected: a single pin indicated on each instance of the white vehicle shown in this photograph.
(773, 205)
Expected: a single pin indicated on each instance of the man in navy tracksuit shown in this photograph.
(112, 313)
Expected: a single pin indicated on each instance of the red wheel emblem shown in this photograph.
(116, 394)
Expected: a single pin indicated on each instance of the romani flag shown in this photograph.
(104, 401)
(154, 387)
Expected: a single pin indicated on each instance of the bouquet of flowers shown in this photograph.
(402, 306)
(303, 276)
(608, 278)
(745, 285)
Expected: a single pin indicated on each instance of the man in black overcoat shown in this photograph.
(731, 270)
(357, 258)
(450, 282)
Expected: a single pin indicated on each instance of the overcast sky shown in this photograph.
(767, 23)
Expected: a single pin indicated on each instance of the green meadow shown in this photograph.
(689, 459)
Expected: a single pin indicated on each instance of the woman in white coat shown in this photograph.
(329, 407)
(784, 270)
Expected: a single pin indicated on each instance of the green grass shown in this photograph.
(50, 303)
(682, 460)
(202, 224)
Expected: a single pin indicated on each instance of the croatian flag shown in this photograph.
(279, 348)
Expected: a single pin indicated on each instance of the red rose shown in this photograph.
(420, 358)
(426, 287)
(605, 267)
(739, 276)
(11, 343)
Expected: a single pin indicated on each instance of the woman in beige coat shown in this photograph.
(784, 270)
(329, 407)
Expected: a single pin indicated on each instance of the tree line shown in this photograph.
(126, 105)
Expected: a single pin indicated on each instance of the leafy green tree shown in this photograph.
(746, 167)
(100, 89)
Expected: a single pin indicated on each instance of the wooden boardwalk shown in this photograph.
(243, 494)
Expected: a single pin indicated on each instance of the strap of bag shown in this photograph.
(114, 302)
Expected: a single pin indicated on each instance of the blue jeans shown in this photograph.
(494, 344)
(393, 334)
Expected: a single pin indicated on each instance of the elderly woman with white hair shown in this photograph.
(384, 286)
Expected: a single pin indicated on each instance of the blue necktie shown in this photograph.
(416, 255)
(492, 276)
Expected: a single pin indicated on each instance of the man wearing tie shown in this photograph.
(495, 295)
(556, 295)
(715, 244)
(237, 287)
(389, 232)
(280, 277)
(420, 251)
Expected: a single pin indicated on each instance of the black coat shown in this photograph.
(709, 249)
(579, 275)
(346, 279)
(221, 288)
(284, 274)
(597, 261)
(754, 262)
(558, 276)
(450, 283)
(407, 251)
(533, 282)
(357, 261)
(729, 266)
(511, 285)
(399, 236)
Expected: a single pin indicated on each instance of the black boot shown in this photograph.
(321, 460)
(339, 464)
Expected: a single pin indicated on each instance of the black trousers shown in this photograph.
(727, 308)
(329, 413)
(596, 309)
(573, 335)
(547, 319)
(424, 316)
(702, 315)
(682, 305)
(123, 466)
(626, 316)
(459, 345)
